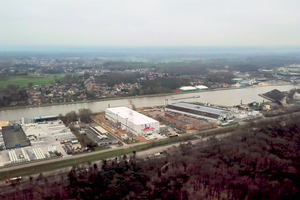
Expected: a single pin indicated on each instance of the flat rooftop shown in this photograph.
(204, 109)
(45, 118)
(136, 118)
(14, 137)
(99, 138)
(198, 110)
(3, 123)
(274, 95)
(48, 132)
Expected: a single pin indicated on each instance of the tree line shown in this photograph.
(13, 93)
(84, 115)
(260, 161)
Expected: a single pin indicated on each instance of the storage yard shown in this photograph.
(43, 140)
(182, 123)
(47, 137)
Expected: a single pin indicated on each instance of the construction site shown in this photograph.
(148, 124)
(176, 117)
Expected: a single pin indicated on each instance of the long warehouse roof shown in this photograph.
(205, 109)
(187, 88)
(136, 118)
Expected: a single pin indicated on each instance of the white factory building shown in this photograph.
(132, 121)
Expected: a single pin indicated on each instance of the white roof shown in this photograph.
(136, 118)
(187, 88)
(52, 148)
(201, 87)
(101, 130)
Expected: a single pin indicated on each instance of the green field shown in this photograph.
(31, 78)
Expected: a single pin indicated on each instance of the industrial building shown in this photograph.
(191, 88)
(275, 96)
(54, 131)
(187, 88)
(198, 111)
(100, 136)
(14, 137)
(45, 118)
(132, 121)
(201, 87)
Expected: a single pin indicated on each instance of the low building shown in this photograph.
(95, 134)
(132, 121)
(296, 96)
(237, 85)
(187, 88)
(201, 87)
(237, 80)
(275, 96)
(45, 118)
(198, 111)
(4, 123)
(14, 137)
(163, 128)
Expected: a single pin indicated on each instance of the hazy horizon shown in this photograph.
(188, 50)
(154, 23)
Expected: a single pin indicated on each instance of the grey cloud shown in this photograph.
(150, 23)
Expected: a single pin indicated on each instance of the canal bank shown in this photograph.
(126, 97)
(226, 97)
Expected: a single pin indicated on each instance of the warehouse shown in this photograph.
(45, 118)
(100, 136)
(198, 111)
(132, 121)
(187, 88)
(14, 137)
(275, 96)
(201, 87)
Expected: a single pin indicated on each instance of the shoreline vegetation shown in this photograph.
(130, 97)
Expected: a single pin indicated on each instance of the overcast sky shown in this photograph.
(150, 23)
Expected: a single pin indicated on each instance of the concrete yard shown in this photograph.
(42, 137)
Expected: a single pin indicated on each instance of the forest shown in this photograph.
(257, 162)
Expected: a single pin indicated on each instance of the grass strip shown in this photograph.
(88, 158)
(26, 171)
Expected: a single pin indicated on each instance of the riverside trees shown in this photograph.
(84, 115)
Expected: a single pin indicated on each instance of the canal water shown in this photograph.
(221, 97)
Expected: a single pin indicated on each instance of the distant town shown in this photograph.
(35, 81)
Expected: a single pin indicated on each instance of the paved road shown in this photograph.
(144, 153)
(61, 175)
(7, 169)
(152, 150)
